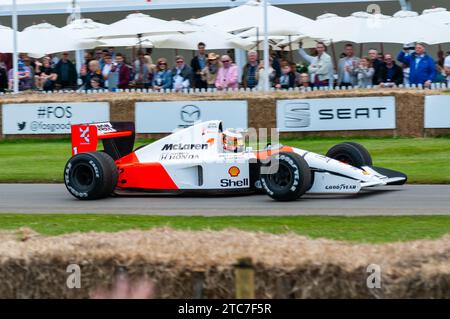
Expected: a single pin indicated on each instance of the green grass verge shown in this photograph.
(354, 229)
(425, 160)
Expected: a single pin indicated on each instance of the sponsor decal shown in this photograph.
(297, 115)
(211, 141)
(85, 133)
(105, 128)
(336, 114)
(348, 113)
(213, 126)
(178, 156)
(190, 114)
(225, 183)
(229, 155)
(234, 171)
(184, 147)
(96, 170)
(165, 117)
(300, 116)
(341, 187)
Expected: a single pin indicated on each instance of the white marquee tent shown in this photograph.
(253, 17)
(214, 37)
(46, 38)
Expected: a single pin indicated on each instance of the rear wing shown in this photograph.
(117, 137)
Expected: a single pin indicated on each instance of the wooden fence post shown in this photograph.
(244, 274)
(198, 279)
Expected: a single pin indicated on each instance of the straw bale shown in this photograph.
(286, 266)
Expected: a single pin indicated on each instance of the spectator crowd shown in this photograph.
(108, 69)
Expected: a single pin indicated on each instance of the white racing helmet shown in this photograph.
(233, 141)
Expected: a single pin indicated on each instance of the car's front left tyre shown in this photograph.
(91, 175)
(351, 153)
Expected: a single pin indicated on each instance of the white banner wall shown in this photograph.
(51, 118)
(164, 117)
(336, 114)
(437, 111)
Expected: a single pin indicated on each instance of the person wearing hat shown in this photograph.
(422, 68)
(209, 73)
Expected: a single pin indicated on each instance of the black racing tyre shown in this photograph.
(351, 153)
(365, 153)
(91, 175)
(290, 180)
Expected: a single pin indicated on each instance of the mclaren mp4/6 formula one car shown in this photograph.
(206, 158)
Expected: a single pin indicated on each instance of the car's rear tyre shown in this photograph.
(288, 180)
(91, 175)
(351, 153)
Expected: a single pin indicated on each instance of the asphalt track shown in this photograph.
(394, 200)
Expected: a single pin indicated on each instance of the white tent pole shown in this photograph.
(79, 58)
(15, 54)
(266, 49)
(405, 5)
(239, 57)
(79, 54)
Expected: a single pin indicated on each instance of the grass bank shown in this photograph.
(354, 229)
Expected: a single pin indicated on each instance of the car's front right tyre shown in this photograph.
(286, 177)
(91, 175)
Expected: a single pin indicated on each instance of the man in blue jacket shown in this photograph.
(422, 66)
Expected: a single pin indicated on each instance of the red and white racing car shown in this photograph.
(205, 158)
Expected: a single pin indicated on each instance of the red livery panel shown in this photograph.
(133, 174)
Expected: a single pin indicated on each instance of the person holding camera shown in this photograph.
(422, 68)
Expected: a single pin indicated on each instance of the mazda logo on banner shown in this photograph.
(336, 114)
(190, 114)
(167, 116)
